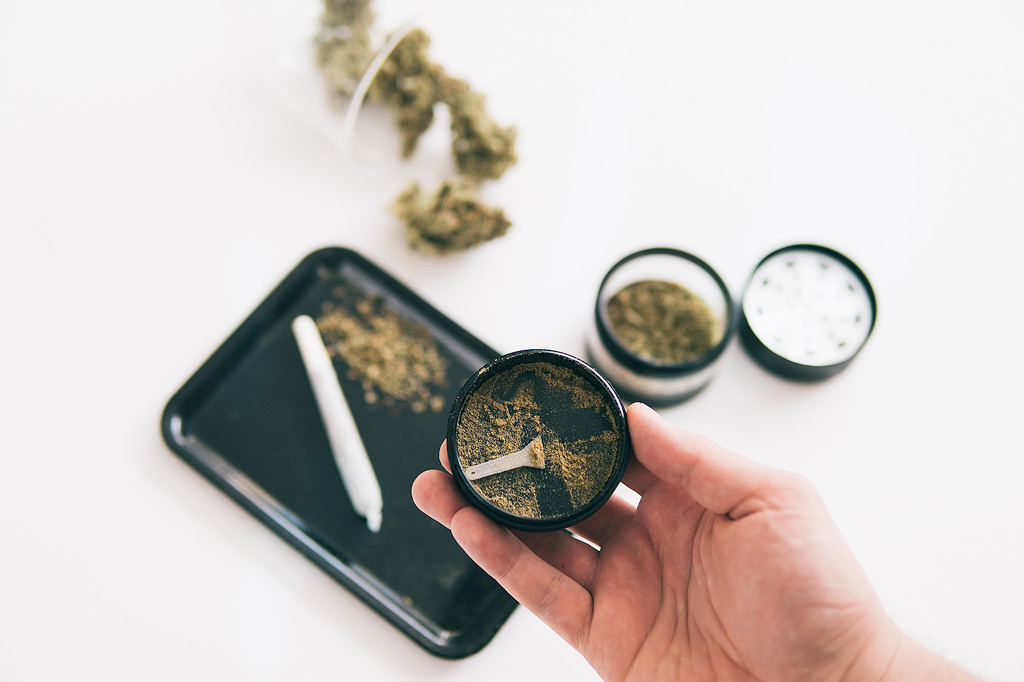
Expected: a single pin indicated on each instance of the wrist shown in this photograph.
(893, 656)
(913, 662)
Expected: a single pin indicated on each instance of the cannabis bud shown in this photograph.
(453, 218)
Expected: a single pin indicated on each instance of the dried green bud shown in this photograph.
(451, 219)
(344, 49)
(343, 62)
(351, 13)
(408, 83)
(482, 148)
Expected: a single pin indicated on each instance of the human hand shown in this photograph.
(726, 569)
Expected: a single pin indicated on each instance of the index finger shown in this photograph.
(552, 595)
(542, 571)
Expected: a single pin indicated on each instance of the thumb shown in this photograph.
(712, 476)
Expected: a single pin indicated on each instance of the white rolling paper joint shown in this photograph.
(349, 452)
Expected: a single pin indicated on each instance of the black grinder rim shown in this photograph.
(492, 368)
(788, 368)
(657, 368)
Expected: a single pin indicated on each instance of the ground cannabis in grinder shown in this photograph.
(573, 418)
(662, 321)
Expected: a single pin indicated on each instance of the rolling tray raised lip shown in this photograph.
(249, 494)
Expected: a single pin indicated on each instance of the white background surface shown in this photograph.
(157, 180)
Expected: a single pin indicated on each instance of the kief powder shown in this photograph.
(576, 422)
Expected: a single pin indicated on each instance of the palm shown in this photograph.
(725, 588)
(726, 569)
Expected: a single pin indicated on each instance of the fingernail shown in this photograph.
(638, 407)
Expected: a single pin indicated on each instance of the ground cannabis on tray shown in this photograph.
(412, 85)
(662, 321)
(575, 422)
(395, 359)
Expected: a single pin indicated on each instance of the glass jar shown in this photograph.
(662, 379)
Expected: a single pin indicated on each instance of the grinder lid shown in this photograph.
(806, 312)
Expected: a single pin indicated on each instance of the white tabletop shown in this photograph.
(164, 165)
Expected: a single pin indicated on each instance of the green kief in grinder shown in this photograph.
(662, 321)
(577, 424)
